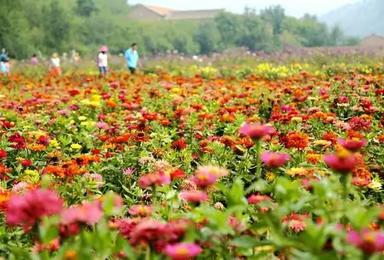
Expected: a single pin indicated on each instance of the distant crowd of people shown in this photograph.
(131, 56)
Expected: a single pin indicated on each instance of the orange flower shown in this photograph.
(295, 140)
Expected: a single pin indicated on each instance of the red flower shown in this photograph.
(26, 163)
(179, 144)
(3, 154)
(18, 141)
(44, 140)
(177, 174)
(25, 210)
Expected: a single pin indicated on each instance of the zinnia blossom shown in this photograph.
(140, 210)
(182, 251)
(193, 196)
(256, 131)
(369, 242)
(274, 160)
(153, 179)
(207, 175)
(25, 210)
(296, 222)
(353, 144)
(87, 213)
(295, 140)
(343, 161)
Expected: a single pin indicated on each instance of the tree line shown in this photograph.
(47, 26)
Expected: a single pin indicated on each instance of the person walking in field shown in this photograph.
(4, 62)
(55, 65)
(132, 58)
(102, 61)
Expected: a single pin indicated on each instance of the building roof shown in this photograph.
(193, 14)
(171, 14)
(163, 11)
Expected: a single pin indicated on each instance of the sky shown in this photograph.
(293, 7)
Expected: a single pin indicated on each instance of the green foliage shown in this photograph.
(46, 26)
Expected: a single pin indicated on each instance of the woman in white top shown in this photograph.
(55, 64)
(102, 60)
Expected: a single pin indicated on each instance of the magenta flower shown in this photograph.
(88, 213)
(182, 251)
(342, 162)
(256, 131)
(369, 242)
(274, 160)
(352, 145)
(25, 210)
(193, 196)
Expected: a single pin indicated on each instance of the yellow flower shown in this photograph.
(270, 176)
(265, 249)
(82, 118)
(297, 119)
(322, 143)
(31, 176)
(375, 185)
(296, 171)
(54, 143)
(76, 146)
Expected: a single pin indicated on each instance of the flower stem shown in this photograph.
(344, 179)
(258, 160)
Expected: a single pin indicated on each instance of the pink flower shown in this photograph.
(353, 144)
(25, 210)
(182, 251)
(256, 199)
(367, 241)
(256, 131)
(274, 160)
(208, 175)
(193, 196)
(128, 171)
(102, 125)
(296, 222)
(88, 213)
(342, 162)
(148, 232)
(140, 210)
(153, 179)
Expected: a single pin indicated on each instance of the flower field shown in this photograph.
(257, 162)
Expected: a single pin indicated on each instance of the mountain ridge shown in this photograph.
(358, 19)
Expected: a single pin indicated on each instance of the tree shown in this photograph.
(85, 7)
(336, 36)
(56, 26)
(275, 16)
(229, 27)
(207, 37)
(255, 35)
